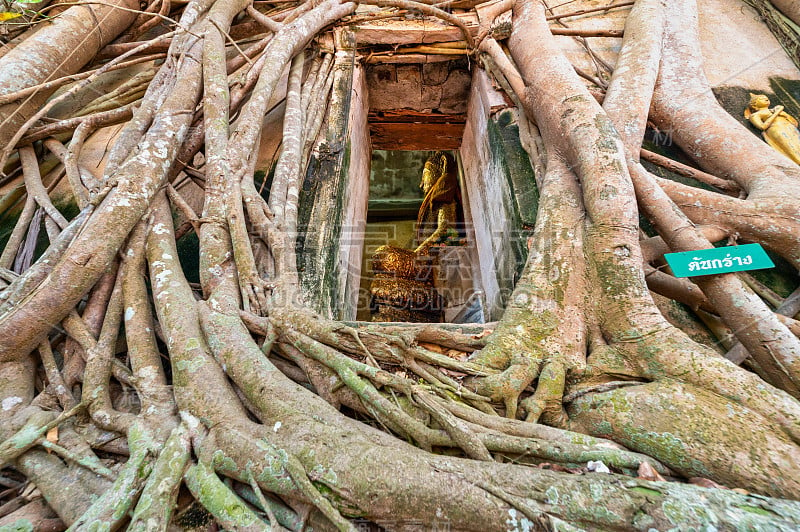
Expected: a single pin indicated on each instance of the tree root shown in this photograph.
(582, 346)
(229, 511)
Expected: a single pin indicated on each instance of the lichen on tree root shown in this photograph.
(234, 397)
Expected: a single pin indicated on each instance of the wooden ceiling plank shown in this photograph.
(414, 136)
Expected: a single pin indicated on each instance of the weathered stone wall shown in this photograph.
(419, 106)
(322, 199)
(489, 198)
(355, 202)
(441, 87)
(396, 174)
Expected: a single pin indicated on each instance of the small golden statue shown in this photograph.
(403, 288)
(778, 128)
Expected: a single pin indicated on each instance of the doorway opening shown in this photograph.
(418, 258)
(362, 190)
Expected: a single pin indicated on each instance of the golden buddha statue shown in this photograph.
(403, 288)
(778, 128)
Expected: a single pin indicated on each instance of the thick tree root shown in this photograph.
(582, 347)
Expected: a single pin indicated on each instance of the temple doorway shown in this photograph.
(361, 189)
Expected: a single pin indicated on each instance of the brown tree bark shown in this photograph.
(56, 49)
(181, 386)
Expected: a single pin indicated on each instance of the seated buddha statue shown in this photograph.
(403, 287)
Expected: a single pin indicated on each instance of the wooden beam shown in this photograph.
(578, 32)
(430, 31)
(405, 59)
(416, 136)
(580, 12)
(417, 117)
(399, 32)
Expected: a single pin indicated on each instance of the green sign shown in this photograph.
(719, 260)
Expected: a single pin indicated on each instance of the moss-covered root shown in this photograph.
(154, 509)
(240, 453)
(695, 432)
(542, 333)
(640, 505)
(25, 438)
(112, 507)
(285, 516)
(487, 496)
(228, 509)
(36, 516)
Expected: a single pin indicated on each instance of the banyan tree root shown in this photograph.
(626, 337)
(162, 403)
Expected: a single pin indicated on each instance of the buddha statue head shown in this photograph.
(435, 167)
(756, 103)
(439, 180)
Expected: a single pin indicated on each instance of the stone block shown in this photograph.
(455, 92)
(435, 73)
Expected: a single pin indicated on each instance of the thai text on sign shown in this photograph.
(719, 260)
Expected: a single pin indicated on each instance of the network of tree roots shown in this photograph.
(133, 398)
